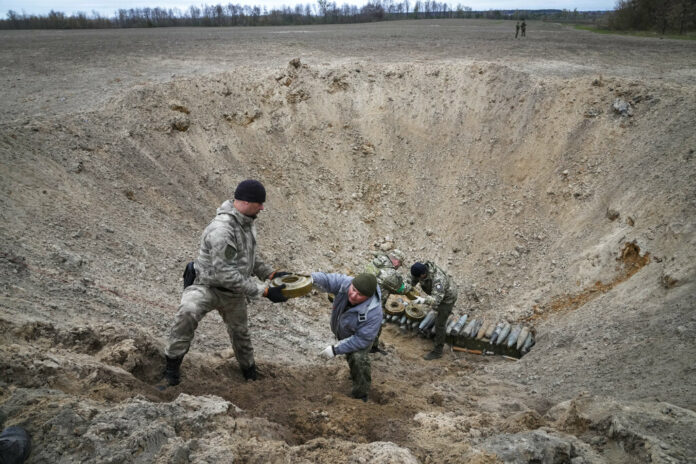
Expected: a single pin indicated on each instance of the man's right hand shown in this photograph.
(275, 294)
(278, 274)
(328, 353)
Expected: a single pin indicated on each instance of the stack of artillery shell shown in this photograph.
(502, 337)
(519, 338)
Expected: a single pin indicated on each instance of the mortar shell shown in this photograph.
(514, 333)
(528, 344)
(489, 330)
(467, 329)
(460, 323)
(496, 332)
(475, 328)
(431, 323)
(450, 323)
(425, 324)
(482, 330)
(503, 334)
(522, 337)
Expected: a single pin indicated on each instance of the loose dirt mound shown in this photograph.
(528, 179)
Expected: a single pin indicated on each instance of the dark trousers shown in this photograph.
(443, 312)
(360, 372)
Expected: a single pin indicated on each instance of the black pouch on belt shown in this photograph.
(189, 274)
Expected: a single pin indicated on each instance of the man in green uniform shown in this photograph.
(385, 267)
(442, 294)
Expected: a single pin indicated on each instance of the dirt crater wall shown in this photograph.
(525, 188)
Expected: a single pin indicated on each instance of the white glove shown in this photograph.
(419, 300)
(328, 353)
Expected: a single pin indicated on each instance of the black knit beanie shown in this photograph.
(365, 283)
(418, 269)
(250, 190)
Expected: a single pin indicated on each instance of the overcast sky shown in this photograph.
(108, 7)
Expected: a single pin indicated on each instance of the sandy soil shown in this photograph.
(553, 177)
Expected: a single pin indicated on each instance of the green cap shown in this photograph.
(365, 283)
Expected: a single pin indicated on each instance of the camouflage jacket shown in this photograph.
(227, 257)
(388, 277)
(438, 285)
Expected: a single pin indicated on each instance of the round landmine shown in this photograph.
(395, 305)
(295, 284)
(416, 312)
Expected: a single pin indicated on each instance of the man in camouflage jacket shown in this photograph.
(385, 267)
(225, 268)
(442, 294)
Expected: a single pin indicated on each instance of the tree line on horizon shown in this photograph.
(322, 12)
(661, 16)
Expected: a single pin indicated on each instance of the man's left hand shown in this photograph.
(419, 300)
(275, 294)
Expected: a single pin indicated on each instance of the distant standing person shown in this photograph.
(224, 280)
(523, 26)
(356, 317)
(517, 29)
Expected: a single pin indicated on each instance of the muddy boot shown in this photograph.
(377, 349)
(359, 397)
(435, 354)
(172, 375)
(250, 372)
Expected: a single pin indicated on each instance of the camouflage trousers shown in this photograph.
(443, 312)
(360, 371)
(199, 300)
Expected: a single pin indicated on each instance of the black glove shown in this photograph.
(278, 274)
(275, 294)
